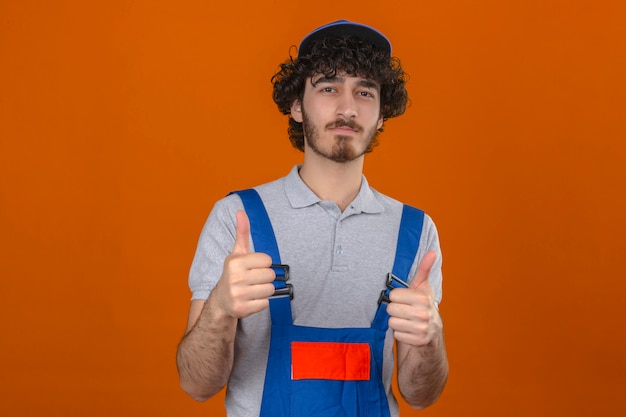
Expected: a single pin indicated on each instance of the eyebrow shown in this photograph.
(363, 82)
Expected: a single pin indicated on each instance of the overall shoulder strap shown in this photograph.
(264, 241)
(406, 250)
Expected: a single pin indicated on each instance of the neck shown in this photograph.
(332, 181)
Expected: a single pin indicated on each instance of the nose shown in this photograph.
(347, 106)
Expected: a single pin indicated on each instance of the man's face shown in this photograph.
(340, 116)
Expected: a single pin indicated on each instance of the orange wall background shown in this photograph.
(121, 122)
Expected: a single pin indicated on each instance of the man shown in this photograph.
(315, 337)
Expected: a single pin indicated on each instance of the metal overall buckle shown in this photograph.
(391, 278)
(282, 274)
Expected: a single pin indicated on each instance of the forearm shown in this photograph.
(422, 371)
(205, 354)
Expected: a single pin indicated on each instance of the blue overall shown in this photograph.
(326, 372)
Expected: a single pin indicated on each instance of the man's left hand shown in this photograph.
(413, 312)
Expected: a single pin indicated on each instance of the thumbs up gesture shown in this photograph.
(246, 282)
(413, 314)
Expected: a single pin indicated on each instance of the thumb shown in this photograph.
(423, 269)
(242, 237)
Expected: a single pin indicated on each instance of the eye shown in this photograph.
(365, 94)
(327, 89)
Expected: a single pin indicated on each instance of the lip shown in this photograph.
(344, 129)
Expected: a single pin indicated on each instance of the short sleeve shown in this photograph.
(430, 241)
(215, 243)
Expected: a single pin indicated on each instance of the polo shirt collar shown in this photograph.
(300, 195)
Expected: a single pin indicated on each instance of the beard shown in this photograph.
(343, 149)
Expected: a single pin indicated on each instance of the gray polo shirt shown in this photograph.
(338, 264)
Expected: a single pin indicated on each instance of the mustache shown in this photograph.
(344, 123)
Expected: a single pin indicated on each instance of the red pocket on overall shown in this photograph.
(330, 360)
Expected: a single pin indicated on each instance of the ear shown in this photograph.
(380, 122)
(296, 111)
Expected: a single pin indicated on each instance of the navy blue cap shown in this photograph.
(342, 28)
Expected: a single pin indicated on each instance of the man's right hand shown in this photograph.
(246, 282)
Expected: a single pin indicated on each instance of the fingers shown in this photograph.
(413, 315)
(413, 312)
(252, 268)
(242, 237)
(408, 304)
(414, 325)
(246, 282)
(243, 299)
(423, 270)
(242, 246)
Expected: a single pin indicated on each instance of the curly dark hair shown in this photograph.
(348, 55)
